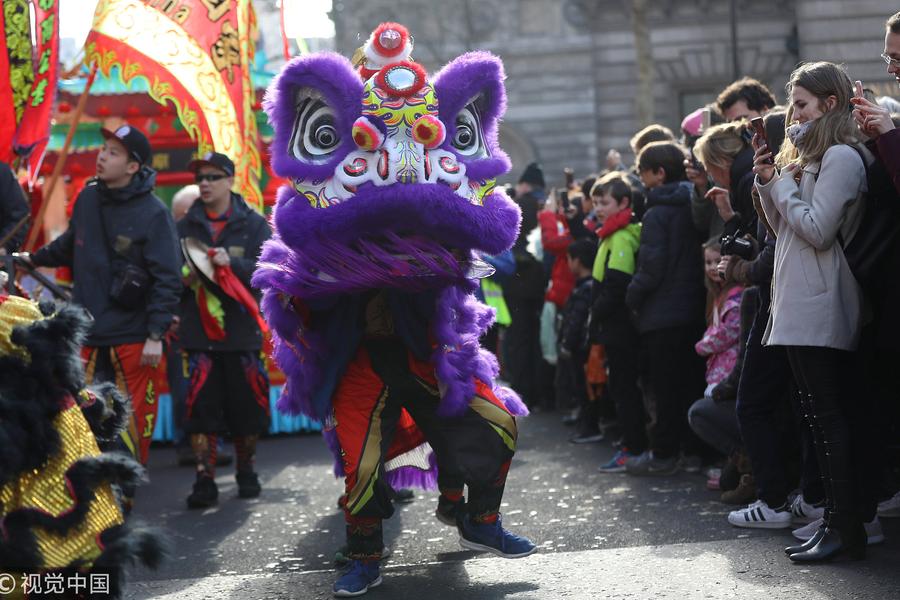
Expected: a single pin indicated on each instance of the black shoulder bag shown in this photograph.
(130, 281)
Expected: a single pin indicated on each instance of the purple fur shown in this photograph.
(425, 209)
(404, 477)
(511, 400)
(330, 268)
(297, 357)
(333, 76)
(458, 83)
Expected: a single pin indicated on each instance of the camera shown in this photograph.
(737, 246)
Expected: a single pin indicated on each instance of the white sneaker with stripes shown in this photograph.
(804, 512)
(759, 516)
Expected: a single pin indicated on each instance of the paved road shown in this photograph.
(601, 536)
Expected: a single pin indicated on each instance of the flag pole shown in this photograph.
(284, 39)
(60, 161)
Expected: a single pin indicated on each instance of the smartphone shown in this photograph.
(858, 86)
(706, 120)
(695, 163)
(760, 127)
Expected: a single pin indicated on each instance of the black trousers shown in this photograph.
(624, 369)
(842, 427)
(228, 392)
(762, 402)
(523, 349)
(675, 379)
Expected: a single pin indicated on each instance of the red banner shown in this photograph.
(196, 54)
(33, 131)
(7, 107)
(28, 75)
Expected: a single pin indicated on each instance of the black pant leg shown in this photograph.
(675, 380)
(763, 386)
(523, 350)
(819, 372)
(624, 370)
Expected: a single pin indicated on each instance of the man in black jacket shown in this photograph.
(13, 208)
(524, 295)
(229, 386)
(122, 250)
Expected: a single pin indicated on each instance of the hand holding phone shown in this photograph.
(759, 126)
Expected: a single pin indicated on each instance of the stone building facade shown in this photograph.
(572, 65)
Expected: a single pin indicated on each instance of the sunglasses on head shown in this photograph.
(208, 177)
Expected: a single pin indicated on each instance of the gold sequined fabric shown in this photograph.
(45, 489)
(14, 312)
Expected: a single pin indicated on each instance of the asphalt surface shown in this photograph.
(600, 536)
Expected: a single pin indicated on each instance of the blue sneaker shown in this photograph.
(491, 537)
(617, 463)
(357, 580)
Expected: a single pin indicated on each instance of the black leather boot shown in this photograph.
(843, 536)
(808, 543)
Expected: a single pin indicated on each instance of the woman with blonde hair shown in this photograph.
(813, 198)
(727, 157)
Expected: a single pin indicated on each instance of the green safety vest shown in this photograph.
(493, 297)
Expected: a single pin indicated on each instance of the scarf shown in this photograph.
(232, 286)
(614, 223)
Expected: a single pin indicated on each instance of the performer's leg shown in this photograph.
(204, 447)
(478, 447)
(203, 422)
(365, 416)
(451, 501)
(140, 383)
(246, 412)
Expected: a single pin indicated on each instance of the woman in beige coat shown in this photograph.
(813, 199)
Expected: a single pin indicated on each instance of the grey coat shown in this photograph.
(816, 301)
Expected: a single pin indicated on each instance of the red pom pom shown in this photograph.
(429, 131)
(389, 39)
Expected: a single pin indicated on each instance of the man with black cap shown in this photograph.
(122, 249)
(229, 388)
(524, 293)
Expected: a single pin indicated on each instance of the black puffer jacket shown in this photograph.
(573, 331)
(140, 229)
(667, 288)
(243, 237)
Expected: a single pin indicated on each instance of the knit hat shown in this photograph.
(693, 123)
(533, 174)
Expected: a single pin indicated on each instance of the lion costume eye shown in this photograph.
(467, 138)
(315, 136)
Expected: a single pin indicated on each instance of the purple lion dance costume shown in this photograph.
(368, 281)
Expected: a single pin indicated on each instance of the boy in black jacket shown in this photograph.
(573, 340)
(666, 295)
(611, 323)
